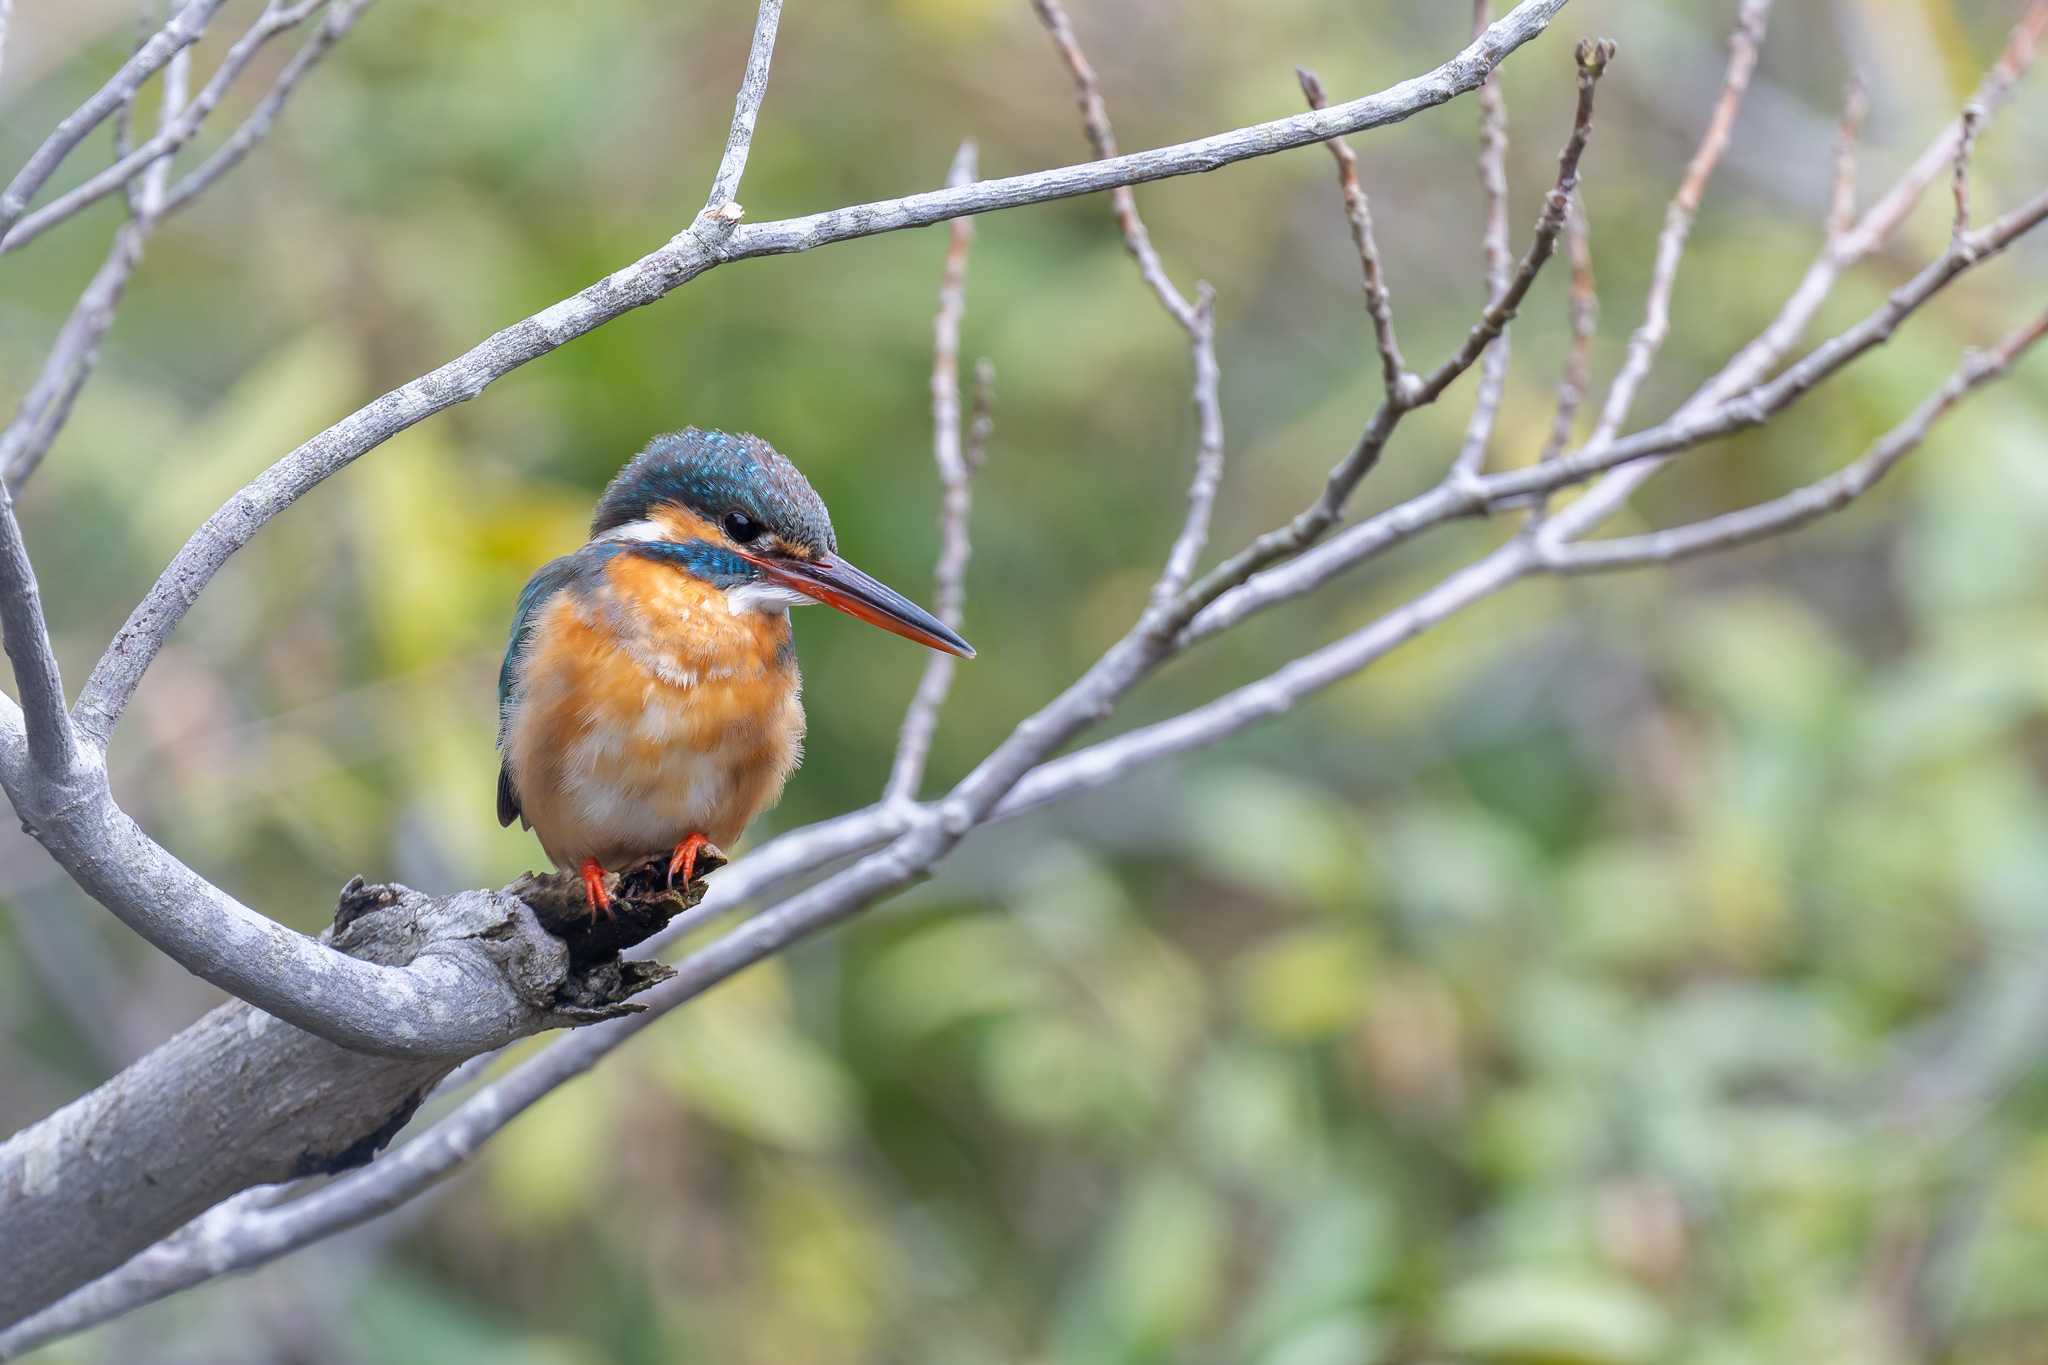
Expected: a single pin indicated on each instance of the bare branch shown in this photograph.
(1814, 500)
(52, 744)
(119, 672)
(1754, 405)
(1601, 501)
(1842, 192)
(1208, 476)
(1743, 46)
(719, 205)
(1493, 182)
(922, 719)
(1095, 120)
(276, 18)
(1197, 319)
(1693, 426)
(256, 1234)
(46, 407)
(1585, 319)
(1310, 524)
(181, 32)
(341, 17)
(1966, 146)
(981, 423)
(1273, 695)
(147, 198)
(907, 839)
(2022, 44)
(451, 1004)
(1841, 250)
(1879, 222)
(1358, 211)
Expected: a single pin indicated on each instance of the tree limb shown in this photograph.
(1493, 183)
(921, 720)
(181, 32)
(114, 680)
(276, 18)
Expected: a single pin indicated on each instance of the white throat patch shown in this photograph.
(770, 598)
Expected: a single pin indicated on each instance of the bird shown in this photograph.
(650, 701)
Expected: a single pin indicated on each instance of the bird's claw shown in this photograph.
(593, 889)
(685, 859)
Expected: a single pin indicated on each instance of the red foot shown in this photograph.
(593, 889)
(685, 859)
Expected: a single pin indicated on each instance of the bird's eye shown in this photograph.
(741, 527)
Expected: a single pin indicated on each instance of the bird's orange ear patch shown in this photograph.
(681, 525)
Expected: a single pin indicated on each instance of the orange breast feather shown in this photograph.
(650, 711)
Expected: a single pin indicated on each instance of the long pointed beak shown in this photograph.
(836, 583)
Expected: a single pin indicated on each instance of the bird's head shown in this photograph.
(732, 511)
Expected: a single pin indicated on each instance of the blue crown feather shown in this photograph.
(713, 473)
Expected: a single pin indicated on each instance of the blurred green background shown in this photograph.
(1634, 969)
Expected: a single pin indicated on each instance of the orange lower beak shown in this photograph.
(839, 584)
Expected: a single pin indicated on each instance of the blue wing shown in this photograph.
(551, 579)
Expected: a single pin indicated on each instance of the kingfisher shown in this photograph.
(649, 701)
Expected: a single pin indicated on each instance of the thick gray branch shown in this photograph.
(242, 1099)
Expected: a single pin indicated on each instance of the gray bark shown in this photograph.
(242, 1099)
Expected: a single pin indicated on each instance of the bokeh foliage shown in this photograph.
(1634, 969)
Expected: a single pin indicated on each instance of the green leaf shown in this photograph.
(1542, 1317)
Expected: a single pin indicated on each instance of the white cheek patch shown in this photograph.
(637, 530)
(771, 598)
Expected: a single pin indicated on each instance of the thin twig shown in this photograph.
(177, 84)
(1879, 222)
(1882, 219)
(340, 18)
(1814, 500)
(1585, 320)
(1095, 120)
(1966, 146)
(1842, 191)
(920, 722)
(1019, 774)
(721, 205)
(1309, 524)
(1743, 46)
(981, 422)
(181, 32)
(1493, 182)
(52, 744)
(1197, 319)
(124, 117)
(256, 1234)
(1839, 252)
(47, 405)
(1693, 426)
(1358, 212)
(1208, 476)
(114, 680)
(274, 19)
(1600, 502)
